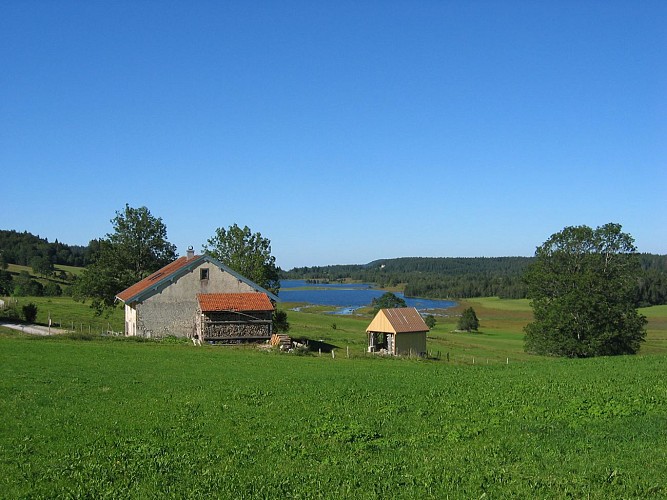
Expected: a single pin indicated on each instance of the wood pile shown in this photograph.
(281, 340)
(236, 330)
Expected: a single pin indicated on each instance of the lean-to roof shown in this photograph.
(215, 302)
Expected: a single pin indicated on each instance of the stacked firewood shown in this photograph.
(283, 341)
(236, 330)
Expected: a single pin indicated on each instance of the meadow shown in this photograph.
(109, 417)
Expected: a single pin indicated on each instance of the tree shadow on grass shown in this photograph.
(317, 345)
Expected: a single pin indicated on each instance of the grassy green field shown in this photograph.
(122, 419)
(109, 417)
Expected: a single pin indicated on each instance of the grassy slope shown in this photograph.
(123, 419)
(120, 419)
(500, 336)
(66, 312)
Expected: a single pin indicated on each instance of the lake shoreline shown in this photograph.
(348, 297)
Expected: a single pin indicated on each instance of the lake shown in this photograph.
(348, 297)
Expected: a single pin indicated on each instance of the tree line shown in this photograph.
(459, 277)
(24, 249)
(431, 277)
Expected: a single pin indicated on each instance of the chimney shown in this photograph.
(191, 252)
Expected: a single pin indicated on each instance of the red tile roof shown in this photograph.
(210, 302)
(154, 278)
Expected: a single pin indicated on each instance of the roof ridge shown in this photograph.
(134, 292)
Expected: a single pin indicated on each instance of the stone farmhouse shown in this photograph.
(198, 297)
(397, 331)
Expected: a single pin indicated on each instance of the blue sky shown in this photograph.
(342, 131)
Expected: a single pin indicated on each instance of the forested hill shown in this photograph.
(460, 277)
(24, 248)
(435, 277)
(453, 265)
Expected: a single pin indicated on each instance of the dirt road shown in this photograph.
(32, 329)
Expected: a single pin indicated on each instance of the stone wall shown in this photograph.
(172, 310)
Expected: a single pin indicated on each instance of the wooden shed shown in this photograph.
(234, 317)
(397, 331)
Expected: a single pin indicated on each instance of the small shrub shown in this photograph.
(280, 323)
(30, 312)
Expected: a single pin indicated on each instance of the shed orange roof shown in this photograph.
(398, 320)
(210, 302)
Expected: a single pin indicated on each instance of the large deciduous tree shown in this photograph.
(581, 287)
(140, 242)
(247, 253)
(468, 321)
(137, 247)
(387, 300)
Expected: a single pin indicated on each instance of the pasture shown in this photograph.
(109, 417)
(121, 419)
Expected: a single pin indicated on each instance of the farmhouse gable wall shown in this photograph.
(165, 303)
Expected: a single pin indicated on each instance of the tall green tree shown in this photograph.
(468, 321)
(42, 266)
(137, 247)
(6, 284)
(25, 286)
(139, 242)
(247, 253)
(582, 287)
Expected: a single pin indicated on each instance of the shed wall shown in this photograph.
(414, 342)
(380, 323)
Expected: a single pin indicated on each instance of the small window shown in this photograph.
(203, 274)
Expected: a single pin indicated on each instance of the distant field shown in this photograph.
(16, 269)
(121, 419)
(500, 338)
(76, 271)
